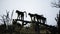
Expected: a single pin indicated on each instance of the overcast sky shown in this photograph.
(41, 7)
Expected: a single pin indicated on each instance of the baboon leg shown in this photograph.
(18, 17)
(31, 18)
(34, 18)
(22, 18)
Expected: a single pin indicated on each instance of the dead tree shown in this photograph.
(56, 4)
(58, 22)
(3, 20)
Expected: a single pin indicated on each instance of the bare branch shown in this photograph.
(57, 5)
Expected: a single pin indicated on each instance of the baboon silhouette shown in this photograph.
(32, 16)
(20, 14)
(40, 18)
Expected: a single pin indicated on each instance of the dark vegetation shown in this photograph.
(37, 25)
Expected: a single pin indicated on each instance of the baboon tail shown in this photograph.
(25, 13)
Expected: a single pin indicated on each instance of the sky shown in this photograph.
(41, 7)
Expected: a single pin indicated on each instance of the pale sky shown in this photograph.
(41, 7)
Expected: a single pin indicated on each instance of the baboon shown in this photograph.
(40, 18)
(21, 14)
(32, 16)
